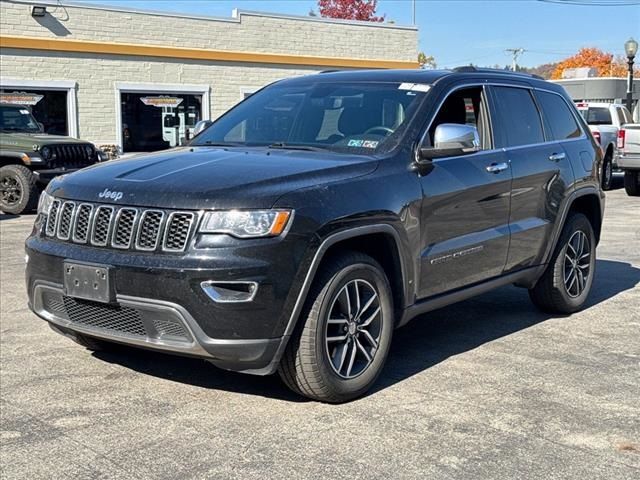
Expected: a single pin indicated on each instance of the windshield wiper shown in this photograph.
(288, 146)
(210, 143)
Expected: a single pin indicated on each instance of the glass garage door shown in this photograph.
(153, 121)
(48, 106)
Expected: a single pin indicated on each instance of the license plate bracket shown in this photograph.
(89, 282)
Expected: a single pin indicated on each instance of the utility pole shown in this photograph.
(515, 52)
(414, 11)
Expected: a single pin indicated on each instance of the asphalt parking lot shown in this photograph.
(486, 389)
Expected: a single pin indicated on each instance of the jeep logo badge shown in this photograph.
(112, 195)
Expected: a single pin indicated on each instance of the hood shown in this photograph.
(208, 177)
(41, 139)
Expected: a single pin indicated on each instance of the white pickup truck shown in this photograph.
(605, 121)
(629, 157)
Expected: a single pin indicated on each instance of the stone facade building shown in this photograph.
(141, 79)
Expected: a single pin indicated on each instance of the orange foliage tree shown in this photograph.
(605, 63)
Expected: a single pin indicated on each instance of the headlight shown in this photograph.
(45, 152)
(89, 150)
(247, 224)
(44, 204)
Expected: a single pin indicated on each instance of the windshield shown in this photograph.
(361, 118)
(17, 119)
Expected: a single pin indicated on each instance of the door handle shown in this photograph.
(497, 167)
(556, 157)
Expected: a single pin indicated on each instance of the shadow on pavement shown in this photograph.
(426, 341)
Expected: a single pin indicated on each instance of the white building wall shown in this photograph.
(97, 74)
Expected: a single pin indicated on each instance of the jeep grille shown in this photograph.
(120, 227)
(70, 156)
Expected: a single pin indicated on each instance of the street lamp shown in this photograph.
(630, 48)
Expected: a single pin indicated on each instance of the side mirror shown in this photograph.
(450, 140)
(201, 126)
(41, 126)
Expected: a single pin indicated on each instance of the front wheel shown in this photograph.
(345, 331)
(565, 284)
(632, 182)
(18, 189)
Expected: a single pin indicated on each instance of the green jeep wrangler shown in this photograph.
(29, 158)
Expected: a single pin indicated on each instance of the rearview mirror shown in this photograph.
(200, 126)
(452, 139)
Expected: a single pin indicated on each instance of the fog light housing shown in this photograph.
(230, 292)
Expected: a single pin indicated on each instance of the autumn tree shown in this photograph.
(350, 10)
(606, 64)
(426, 61)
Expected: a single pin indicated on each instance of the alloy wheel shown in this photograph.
(577, 264)
(10, 191)
(353, 328)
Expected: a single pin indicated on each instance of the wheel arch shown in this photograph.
(347, 239)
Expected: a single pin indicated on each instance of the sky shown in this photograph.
(459, 32)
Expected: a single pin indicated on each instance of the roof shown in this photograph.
(428, 77)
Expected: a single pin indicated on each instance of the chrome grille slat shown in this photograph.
(149, 230)
(65, 220)
(82, 224)
(124, 227)
(177, 231)
(52, 219)
(121, 227)
(102, 225)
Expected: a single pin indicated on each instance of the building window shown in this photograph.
(157, 121)
(50, 107)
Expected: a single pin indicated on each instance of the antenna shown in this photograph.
(515, 52)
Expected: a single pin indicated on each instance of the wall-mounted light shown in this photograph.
(38, 11)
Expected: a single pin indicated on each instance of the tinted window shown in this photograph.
(559, 119)
(598, 116)
(623, 115)
(465, 107)
(359, 118)
(519, 120)
(17, 119)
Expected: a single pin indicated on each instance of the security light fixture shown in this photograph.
(38, 11)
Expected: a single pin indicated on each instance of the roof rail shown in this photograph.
(471, 68)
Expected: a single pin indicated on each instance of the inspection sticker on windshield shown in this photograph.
(24, 112)
(363, 143)
(415, 87)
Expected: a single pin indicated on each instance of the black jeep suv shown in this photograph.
(303, 226)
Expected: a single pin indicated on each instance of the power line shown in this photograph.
(594, 3)
(515, 53)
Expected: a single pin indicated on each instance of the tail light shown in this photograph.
(622, 135)
(596, 135)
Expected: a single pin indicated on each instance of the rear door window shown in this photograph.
(519, 121)
(598, 116)
(559, 121)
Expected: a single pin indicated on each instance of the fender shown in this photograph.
(555, 236)
(317, 259)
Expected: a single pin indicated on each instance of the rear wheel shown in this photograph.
(632, 182)
(345, 331)
(607, 172)
(18, 189)
(565, 284)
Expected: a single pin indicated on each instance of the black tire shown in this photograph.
(607, 172)
(18, 189)
(307, 367)
(555, 292)
(632, 183)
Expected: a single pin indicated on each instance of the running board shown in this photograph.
(524, 277)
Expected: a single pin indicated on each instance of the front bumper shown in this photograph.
(160, 302)
(150, 324)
